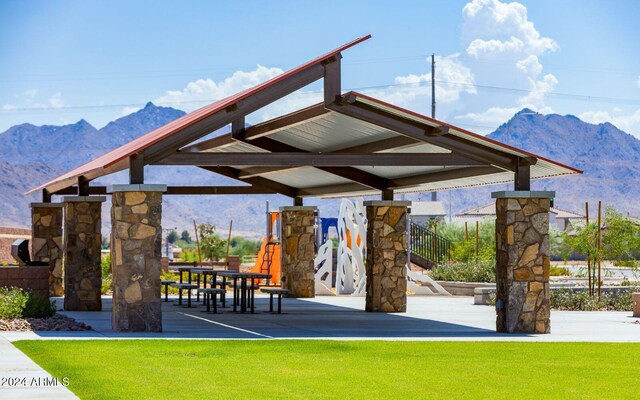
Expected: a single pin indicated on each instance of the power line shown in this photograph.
(54, 77)
(425, 83)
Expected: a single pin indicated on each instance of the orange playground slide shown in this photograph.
(261, 262)
(274, 255)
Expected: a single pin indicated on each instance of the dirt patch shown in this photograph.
(56, 323)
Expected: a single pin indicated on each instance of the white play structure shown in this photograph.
(350, 271)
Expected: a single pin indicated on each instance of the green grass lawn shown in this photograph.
(267, 369)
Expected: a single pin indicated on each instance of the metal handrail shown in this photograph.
(427, 244)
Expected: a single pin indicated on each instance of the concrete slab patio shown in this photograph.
(344, 318)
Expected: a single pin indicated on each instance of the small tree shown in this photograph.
(212, 246)
(465, 250)
(172, 236)
(185, 236)
(620, 238)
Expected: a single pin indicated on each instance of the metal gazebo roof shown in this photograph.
(351, 144)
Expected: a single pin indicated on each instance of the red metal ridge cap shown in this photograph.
(169, 129)
(466, 132)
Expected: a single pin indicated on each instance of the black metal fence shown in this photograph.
(427, 244)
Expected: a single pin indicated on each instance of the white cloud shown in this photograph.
(535, 99)
(490, 118)
(56, 101)
(205, 91)
(31, 93)
(495, 27)
(414, 91)
(503, 32)
(638, 81)
(130, 110)
(479, 46)
(9, 107)
(627, 123)
(530, 65)
(411, 91)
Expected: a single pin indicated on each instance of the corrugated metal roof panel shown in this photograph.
(331, 132)
(306, 177)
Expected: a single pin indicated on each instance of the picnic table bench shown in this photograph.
(275, 291)
(184, 286)
(210, 296)
(166, 284)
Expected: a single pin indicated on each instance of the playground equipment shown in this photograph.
(268, 261)
(351, 276)
(350, 273)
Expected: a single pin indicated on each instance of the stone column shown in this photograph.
(522, 261)
(82, 240)
(387, 257)
(297, 239)
(136, 215)
(46, 242)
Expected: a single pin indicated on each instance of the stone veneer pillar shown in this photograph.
(46, 242)
(522, 261)
(297, 240)
(136, 216)
(387, 257)
(82, 240)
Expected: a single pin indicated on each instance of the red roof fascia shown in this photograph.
(169, 129)
(466, 132)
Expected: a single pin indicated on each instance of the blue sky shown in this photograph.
(99, 60)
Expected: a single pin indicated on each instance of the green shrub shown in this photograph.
(106, 284)
(17, 303)
(579, 300)
(463, 249)
(12, 302)
(558, 271)
(105, 265)
(170, 276)
(480, 271)
(189, 255)
(38, 307)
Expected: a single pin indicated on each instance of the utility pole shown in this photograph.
(433, 86)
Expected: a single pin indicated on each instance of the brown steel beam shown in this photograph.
(399, 183)
(238, 128)
(362, 177)
(83, 186)
(332, 80)
(242, 108)
(424, 132)
(381, 145)
(136, 169)
(182, 190)
(303, 159)
(387, 195)
(216, 190)
(257, 181)
(522, 178)
(334, 189)
(458, 173)
(255, 131)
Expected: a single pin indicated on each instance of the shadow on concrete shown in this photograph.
(321, 318)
